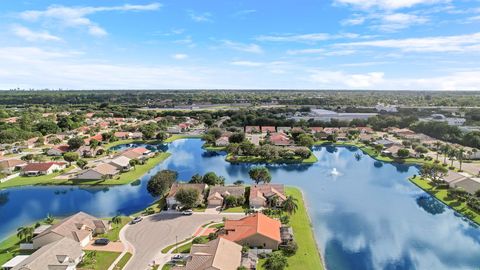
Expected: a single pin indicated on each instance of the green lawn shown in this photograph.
(156, 206)
(123, 261)
(113, 234)
(167, 248)
(180, 136)
(101, 261)
(214, 148)
(307, 256)
(257, 159)
(9, 248)
(127, 177)
(238, 209)
(441, 194)
(36, 180)
(186, 248)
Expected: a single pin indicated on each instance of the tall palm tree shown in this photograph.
(21, 232)
(25, 233)
(452, 154)
(445, 150)
(437, 148)
(290, 205)
(461, 156)
(272, 201)
(49, 219)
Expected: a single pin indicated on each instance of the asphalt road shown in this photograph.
(155, 232)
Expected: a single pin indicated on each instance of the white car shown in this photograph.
(188, 212)
(136, 220)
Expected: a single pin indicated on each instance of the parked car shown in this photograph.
(177, 258)
(102, 241)
(136, 220)
(188, 212)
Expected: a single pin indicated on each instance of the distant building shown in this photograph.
(380, 107)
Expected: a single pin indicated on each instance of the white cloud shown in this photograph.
(202, 17)
(321, 51)
(29, 35)
(250, 48)
(398, 21)
(306, 38)
(459, 43)
(247, 63)
(180, 56)
(340, 79)
(387, 4)
(77, 16)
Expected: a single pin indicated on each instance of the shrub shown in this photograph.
(290, 248)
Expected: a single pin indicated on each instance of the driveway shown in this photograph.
(112, 246)
(155, 232)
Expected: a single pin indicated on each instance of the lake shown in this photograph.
(365, 213)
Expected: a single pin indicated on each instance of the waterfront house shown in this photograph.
(100, 172)
(217, 194)
(139, 153)
(462, 180)
(280, 139)
(122, 163)
(173, 203)
(42, 168)
(222, 141)
(63, 254)
(257, 230)
(122, 135)
(80, 227)
(9, 166)
(261, 194)
(217, 254)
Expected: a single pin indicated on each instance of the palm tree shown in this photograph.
(116, 220)
(272, 201)
(49, 219)
(445, 150)
(25, 233)
(437, 148)
(29, 233)
(290, 205)
(452, 154)
(460, 156)
(21, 232)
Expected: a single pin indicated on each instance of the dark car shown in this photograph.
(102, 241)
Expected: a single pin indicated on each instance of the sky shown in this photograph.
(221, 44)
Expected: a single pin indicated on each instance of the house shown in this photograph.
(97, 137)
(88, 152)
(365, 130)
(80, 227)
(365, 137)
(122, 135)
(58, 150)
(392, 150)
(279, 139)
(283, 129)
(10, 165)
(262, 193)
(122, 163)
(63, 254)
(100, 172)
(218, 193)
(384, 142)
(222, 141)
(221, 254)
(42, 168)
(330, 130)
(139, 153)
(257, 230)
(136, 135)
(268, 129)
(401, 132)
(172, 202)
(462, 180)
(314, 130)
(252, 129)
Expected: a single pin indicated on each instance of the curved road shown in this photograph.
(157, 231)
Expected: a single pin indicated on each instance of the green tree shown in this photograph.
(460, 156)
(260, 174)
(161, 182)
(82, 163)
(305, 140)
(236, 137)
(196, 179)
(116, 220)
(290, 205)
(212, 179)
(378, 148)
(161, 136)
(75, 143)
(276, 261)
(187, 197)
(70, 157)
(403, 153)
(49, 219)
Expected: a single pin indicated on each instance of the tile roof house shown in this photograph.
(63, 254)
(42, 168)
(257, 230)
(140, 153)
(462, 180)
(279, 139)
(79, 227)
(11, 165)
(172, 202)
(122, 163)
(100, 172)
(220, 254)
(222, 141)
(122, 135)
(87, 151)
(252, 129)
(58, 150)
(260, 194)
(314, 130)
(218, 193)
(267, 129)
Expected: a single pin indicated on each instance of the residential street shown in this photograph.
(155, 232)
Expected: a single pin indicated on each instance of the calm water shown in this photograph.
(369, 216)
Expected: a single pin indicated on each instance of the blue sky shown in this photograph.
(307, 44)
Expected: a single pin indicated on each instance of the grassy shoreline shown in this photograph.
(441, 194)
(124, 178)
(181, 136)
(257, 159)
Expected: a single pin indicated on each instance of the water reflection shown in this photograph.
(369, 217)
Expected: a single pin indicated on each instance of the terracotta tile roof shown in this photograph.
(268, 128)
(11, 163)
(237, 230)
(280, 139)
